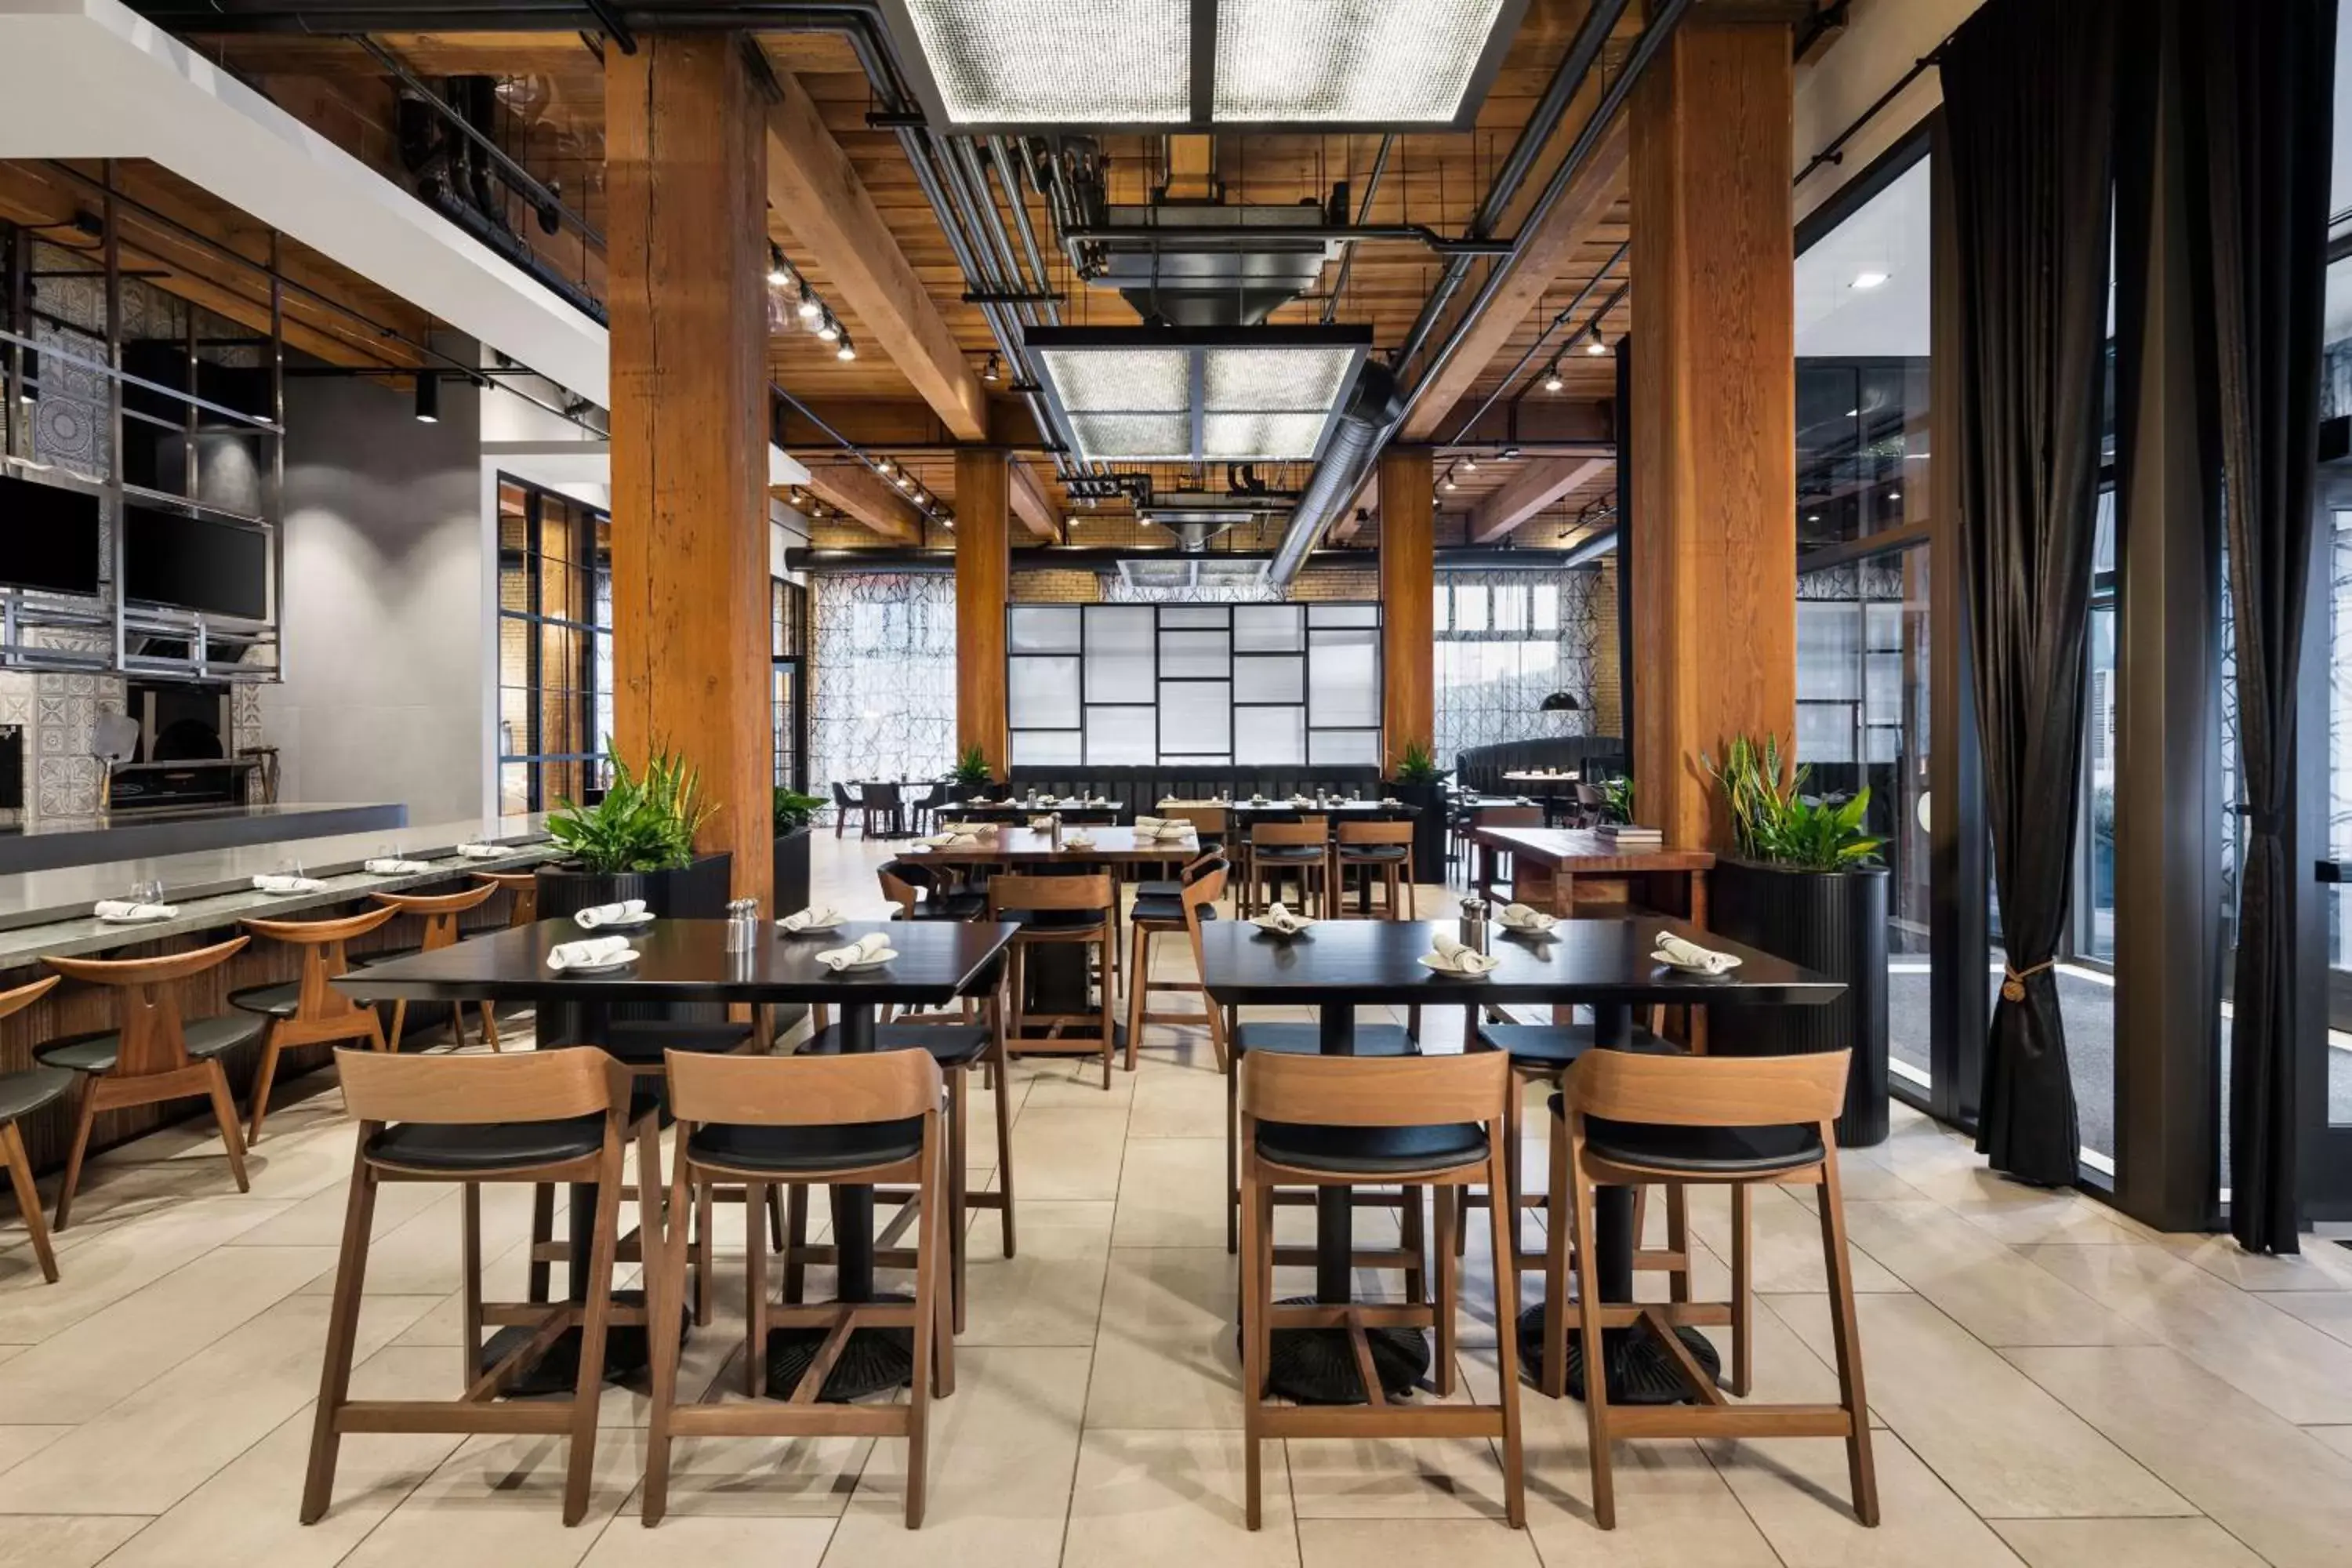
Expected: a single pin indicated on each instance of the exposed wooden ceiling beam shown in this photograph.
(1545, 252)
(863, 494)
(816, 192)
(1030, 504)
(1533, 487)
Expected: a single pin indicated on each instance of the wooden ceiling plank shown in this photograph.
(863, 494)
(1535, 486)
(1030, 504)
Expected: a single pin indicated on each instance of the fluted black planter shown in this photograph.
(792, 871)
(1428, 827)
(1831, 922)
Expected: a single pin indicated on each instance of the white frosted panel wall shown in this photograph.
(1119, 656)
(1343, 679)
(1042, 692)
(1196, 717)
(1122, 735)
(1270, 737)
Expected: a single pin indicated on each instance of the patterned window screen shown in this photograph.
(1505, 640)
(883, 678)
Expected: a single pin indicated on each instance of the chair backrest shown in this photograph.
(518, 1085)
(878, 793)
(1375, 1091)
(1206, 820)
(802, 1091)
(524, 886)
(323, 957)
(440, 910)
(1383, 832)
(1028, 890)
(23, 996)
(1709, 1090)
(896, 886)
(1199, 868)
(152, 1039)
(1278, 833)
(1197, 894)
(841, 795)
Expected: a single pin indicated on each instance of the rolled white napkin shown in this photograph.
(968, 829)
(1080, 841)
(484, 851)
(124, 910)
(1449, 954)
(382, 867)
(1521, 917)
(1148, 825)
(815, 917)
(596, 950)
(1282, 919)
(1690, 955)
(277, 882)
(1302, 800)
(598, 915)
(865, 950)
(1041, 825)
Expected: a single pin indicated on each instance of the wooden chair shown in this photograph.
(923, 893)
(21, 1094)
(1319, 1120)
(1297, 849)
(1064, 911)
(1195, 899)
(1383, 849)
(1626, 1118)
(153, 1057)
(307, 1011)
(560, 1115)
(524, 886)
(844, 802)
(796, 1120)
(1490, 861)
(440, 912)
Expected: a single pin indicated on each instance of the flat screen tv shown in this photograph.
(171, 558)
(48, 537)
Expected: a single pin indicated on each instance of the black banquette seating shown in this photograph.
(1480, 769)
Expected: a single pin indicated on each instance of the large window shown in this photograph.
(883, 677)
(1507, 640)
(788, 681)
(555, 648)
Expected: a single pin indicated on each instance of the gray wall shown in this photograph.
(387, 610)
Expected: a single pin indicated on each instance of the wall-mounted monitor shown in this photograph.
(48, 537)
(172, 558)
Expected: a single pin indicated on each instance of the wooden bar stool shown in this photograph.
(21, 1094)
(1626, 1118)
(524, 886)
(764, 1122)
(1053, 911)
(307, 1011)
(1300, 849)
(1382, 848)
(1326, 1121)
(440, 912)
(153, 1057)
(1194, 898)
(541, 1116)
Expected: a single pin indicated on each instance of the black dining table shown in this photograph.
(688, 961)
(1337, 966)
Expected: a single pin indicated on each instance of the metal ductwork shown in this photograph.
(1374, 409)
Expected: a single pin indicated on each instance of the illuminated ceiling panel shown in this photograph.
(1211, 394)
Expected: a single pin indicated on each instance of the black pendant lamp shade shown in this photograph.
(1560, 703)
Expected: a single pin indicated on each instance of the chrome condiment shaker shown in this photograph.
(1474, 922)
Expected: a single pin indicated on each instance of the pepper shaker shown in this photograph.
(1474, 922)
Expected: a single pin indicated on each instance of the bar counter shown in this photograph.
(56, 842)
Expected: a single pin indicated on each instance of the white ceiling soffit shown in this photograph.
(590, 462)
(88, 78)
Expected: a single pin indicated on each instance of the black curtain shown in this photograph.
(2029, 92)
(2261, 104)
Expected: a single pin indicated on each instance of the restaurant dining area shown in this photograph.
(1120, 783)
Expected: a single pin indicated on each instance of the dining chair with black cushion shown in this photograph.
(21, 1095)
(1382, 850)
(563, 1115)
(1627, 1119)
(1196, 899)
(844, 802)
(923, 893)
(439, 913)
(153, 1057)
(761, 1123)
(1055, 912)
(924, 809)
(1420, 1122)
(878, 804)
(1299, 849)
(306, 1010)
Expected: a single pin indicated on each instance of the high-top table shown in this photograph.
(688, 961)
(1337, 966)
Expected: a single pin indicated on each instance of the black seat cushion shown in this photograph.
(1557, 1045)
(1055, 920)
(1159, 887)
(1168, 911)
(1700, 1151)
(1307, 853)
(1374, 852)
(951, 1045)
(812, 1149)
(642, 1041)
(495, 1145)
(1306, 1040)
(1371, 1150)
(22, 1093)
(270, 1001)
(937, 905)
(205, 1037)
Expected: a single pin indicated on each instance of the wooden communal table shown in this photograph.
(1554, 869)
(1603, 963)
(688, 961)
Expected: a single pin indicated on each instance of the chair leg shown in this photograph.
(1109, 1007)
(1003, 1138)
(542, 1233)
(399, 1023)
(1862, 1470)
(1255, 1302)
(1742, 1299)
(926, 1332)
(1596, 1352)
(1448, 1286)
(702, 1255)
(1410, 1232)
(489, 1029)
(264, 1074)
(1506, 1344)
(796, 1204)
(1138, 985)
(582, 1459)
(224, 1112)
(665, 1273)
(959, 1128)
(85, 1116)
(343, 1334)
(28, 1198)
(1678, 1281)
(1559, 1223)
(755, 1290)
(469, 1282)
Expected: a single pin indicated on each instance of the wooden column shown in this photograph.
(983, 507)
(1408, 578)
(685, 171)
(1712, 413)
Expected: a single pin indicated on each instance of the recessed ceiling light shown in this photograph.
(1178, 394)
(1868, 280)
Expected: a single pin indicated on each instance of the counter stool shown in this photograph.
(307, 1011)
(524, 886)
(798, 1120)
(1317, 1122)
(1382, 848)
(922, 894)
(153, 1057)
(1626, 1118)
(1297, 849)
(539, 1116)
(1067, 910)
(21, 1094)
(440, 912)
(1194, 898)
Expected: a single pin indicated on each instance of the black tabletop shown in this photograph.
(687, 960)
(1584, 960)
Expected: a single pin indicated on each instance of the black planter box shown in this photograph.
(1831, 922)
(1428, 827)
(791, 869)
(698, 891)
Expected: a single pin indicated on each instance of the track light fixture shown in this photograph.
(428, 397)
(847, 349)
(1469, 463)
(810, 308)
(1552, 381)
(827, 329)
(1593, 343)
(993, 372)
(1451, 482)
(779, 274)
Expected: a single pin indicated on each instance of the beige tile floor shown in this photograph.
(2053, 1385)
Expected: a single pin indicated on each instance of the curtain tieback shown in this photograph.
(2012, 984)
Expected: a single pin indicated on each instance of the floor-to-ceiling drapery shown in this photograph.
(2029, 100)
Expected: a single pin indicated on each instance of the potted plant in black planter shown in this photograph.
(970, 775)
(1805, 885)
(1420, 781)
(793, 812)
(637, 842)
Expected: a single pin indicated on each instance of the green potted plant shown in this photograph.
(1418, 782)
(791, 813)
(970, 773)
(1617, 797)
(1805, 883)
(637, 842)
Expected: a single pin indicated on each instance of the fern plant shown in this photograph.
(1772, 819)
(1416, 765)
(971, 768)
(645, 823)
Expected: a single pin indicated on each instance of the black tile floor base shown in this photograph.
(875, 1361)
(1317, 1366)
(1640, 1372)
(558, 1369)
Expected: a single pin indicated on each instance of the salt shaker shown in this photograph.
(1474, 922)
(743, 924)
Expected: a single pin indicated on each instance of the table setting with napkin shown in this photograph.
(1448, 956)
(627, 913)
(281, 883)
(394, 866)
(867, 951)
(124, 912)
(596, 952)
(815, 918)
(950, 839)
(1526, 920)
(1157, 827)
(1282, 920)
(1678, 953)
(484, 851)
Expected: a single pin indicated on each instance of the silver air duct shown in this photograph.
(1376, 406)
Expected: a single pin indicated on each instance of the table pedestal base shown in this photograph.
(875, 1361)
(1640, 1371)
(557, 1370)
(1317, 1366)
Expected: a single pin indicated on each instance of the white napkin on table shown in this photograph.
(598, 915)
(816, 915)
(581, 954)
(1081, 839)
(278, 882)
(1041, 825)
(484, 851)
(865, 950)
(968, 829)
(124, 910)
(1693, 955)
(1521, 917)
(1280, 919)
(1456, 958)
(1302, 800)
(394, 867)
